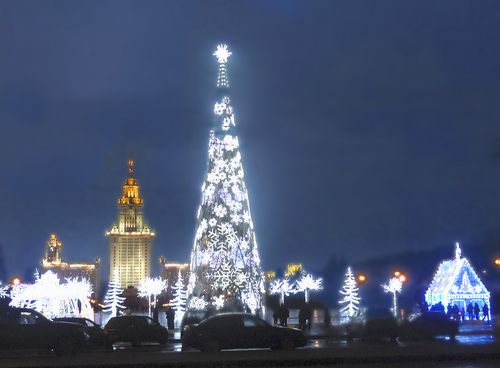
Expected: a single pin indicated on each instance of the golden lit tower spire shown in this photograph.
(131, 167)
(53, 249)
(130, 193)
(130, 237)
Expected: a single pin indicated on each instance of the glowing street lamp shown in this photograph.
(401, 276)
(497, 261)
(361, 278)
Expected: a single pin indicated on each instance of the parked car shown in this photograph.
(93, 330)
(192, 317)
(26, 328)
(379, 325)
(135, 329)
(240, 331)
(429, 325)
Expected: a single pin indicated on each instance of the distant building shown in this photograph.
(456, 282)
(170, 272)
(130, 238)
(53, 261)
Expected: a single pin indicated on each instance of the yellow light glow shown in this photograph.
(361, 278)
(497, 261)
(292, 269)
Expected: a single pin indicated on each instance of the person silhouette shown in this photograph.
(486, 312)
(470, 310)
(276, 316)
(449, 310)
(476, 311)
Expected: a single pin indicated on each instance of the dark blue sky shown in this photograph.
(367, 127)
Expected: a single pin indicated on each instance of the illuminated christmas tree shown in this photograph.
(179, 300)
(113, 301)
(351, 299)
(225, 261)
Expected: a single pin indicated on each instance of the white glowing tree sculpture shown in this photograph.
(225, 259)
(350, 297)
(179, 300)
(394, 286)
(150, 288)
(52, 298)
(283, 288)
(5, 292)
(113, 300)
(306, 283)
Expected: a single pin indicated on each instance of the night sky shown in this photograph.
(367, 127)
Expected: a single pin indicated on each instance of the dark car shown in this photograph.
(379, 325)
(240, 331)
(192, 317)
(429, 325)
(135, 329)
(26, 328)
(93, 330)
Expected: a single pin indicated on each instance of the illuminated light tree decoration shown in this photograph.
(225, 259)
(350, 297)
(394, 286)
(179, 300)
(52, 298)
(307, 283)
(150, 288)
(113, 300)
(282, 287)
(456, 282)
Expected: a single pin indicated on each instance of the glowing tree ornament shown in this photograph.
(225, 260)
(179, 301)
(150, 288)
(394, 286)
(351, 299)
(307, 283)
(113, 301)
(282, 287)
(53, 299)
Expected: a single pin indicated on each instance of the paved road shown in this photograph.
(467, 352)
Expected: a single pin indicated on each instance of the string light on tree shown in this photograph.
(394, 286)
(113, 300)
(225, 259)
(52, 298)
(283, 288)
(150, 288)
(350, 297)
(179, 300)
(307, 283)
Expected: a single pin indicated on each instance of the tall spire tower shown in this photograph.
(129, 238)
(225, 264)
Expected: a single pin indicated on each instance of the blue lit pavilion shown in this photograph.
(456, 282)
